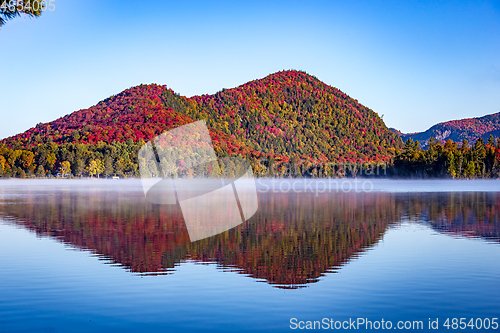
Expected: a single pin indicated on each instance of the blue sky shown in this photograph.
(416, 63)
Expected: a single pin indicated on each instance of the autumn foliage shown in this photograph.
(288, 116)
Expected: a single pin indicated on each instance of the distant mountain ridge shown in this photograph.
(289, 114)
(469, 129)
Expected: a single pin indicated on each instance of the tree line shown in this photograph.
(449, 159)
(71, 160)
(439, 160)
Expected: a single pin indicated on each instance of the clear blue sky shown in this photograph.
(417, 64)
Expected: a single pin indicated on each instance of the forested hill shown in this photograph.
(469, 129)
(136, 115)
(294, 114)
(286, 115)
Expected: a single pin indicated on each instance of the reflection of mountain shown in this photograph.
(465, 214)
(292, 240)
(119, 226)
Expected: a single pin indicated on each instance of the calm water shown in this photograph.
(94, 256)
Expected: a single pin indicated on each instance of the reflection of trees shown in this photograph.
(467, 214)
(294, 238)
(121, 227)
(291, 241)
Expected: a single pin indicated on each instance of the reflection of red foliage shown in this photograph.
(467, 220)
(291, 241)
(288, 248)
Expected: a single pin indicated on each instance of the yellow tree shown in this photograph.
(96, 167)
(3, 162)
(51, 161)
(65, 168)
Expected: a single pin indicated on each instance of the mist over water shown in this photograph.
(279, 184)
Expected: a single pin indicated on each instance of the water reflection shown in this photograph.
(461, 214)
(291, 241)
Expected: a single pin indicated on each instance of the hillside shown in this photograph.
(293, 113)
(286, 115)
(137, 114)
(469, 129)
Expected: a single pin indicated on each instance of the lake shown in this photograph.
(96, 256)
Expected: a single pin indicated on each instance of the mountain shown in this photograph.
(286, 115)
(137, 114)
(295, 114)
(469, 129)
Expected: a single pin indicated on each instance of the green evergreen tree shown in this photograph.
(451, 164)
(470, 170)
(108, 166)
(465, 143)
(78, 168)
(478, 156)
(40, 171)
(21, 173)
